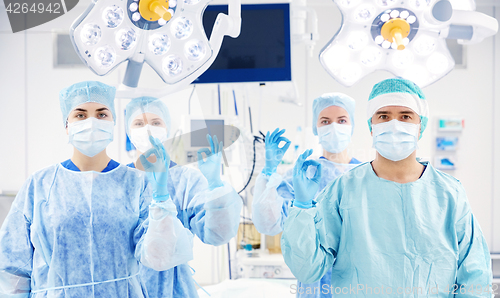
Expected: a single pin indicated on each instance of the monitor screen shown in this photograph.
(261, 53)
(200, 128)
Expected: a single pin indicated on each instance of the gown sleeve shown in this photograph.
(16, 250)
(270, 205)
(162, 241)
(474, 263)
(311, 237)
(212, 215)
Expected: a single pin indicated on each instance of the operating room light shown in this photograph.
(126, 38)
(105, 56)
(113, 16)
(172, 65)
(167, 35)
(159, 44)
(406, 38)
(90, 34)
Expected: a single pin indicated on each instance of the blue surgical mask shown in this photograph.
(335, 137)
(91, 136)
(395, 140)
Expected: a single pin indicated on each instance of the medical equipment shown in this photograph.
(406, 38)
(199, 127)
(263, 266)
(262, 51)
(167, 35)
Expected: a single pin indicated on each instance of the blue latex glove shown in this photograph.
(157, 172)
(211, 167)
(305, 188)
(274, 154)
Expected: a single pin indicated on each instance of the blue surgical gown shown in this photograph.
(213, 216)
(270, 208)
(82, 234)
(416, 239)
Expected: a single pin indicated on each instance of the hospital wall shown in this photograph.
(33, 136)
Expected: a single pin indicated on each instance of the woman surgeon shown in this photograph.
(80, 228)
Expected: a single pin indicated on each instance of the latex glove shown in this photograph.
(157, 172)
(305, 188)
(211, 167)
(274, 154)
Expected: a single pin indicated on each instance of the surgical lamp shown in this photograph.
(166, 34)
(406, 38)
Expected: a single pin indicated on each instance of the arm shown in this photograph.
(213, 215)
(270, 203)
(16, 250)
(311, 236)
(269, 208)
(474, 264)
(162, 241)
(214, 212)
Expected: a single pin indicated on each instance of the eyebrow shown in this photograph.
(382, 112)
(102, 109)
(80, 110)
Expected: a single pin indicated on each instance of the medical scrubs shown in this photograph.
(418, 239)
(83, 234)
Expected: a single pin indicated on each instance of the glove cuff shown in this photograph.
(304, 205)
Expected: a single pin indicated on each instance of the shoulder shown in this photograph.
(442, 180)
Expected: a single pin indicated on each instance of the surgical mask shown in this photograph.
(91, 135)
(140, 136)
(395, 140)
(335, 137)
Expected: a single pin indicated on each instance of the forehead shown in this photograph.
(90, 106)
(148, 116)
(395, 110)
(333, 112)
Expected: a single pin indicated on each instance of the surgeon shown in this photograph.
(80, 228)
(333, 122)
(393, 226)
(207, 206)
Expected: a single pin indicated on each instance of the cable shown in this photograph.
(256, 139)
(229, 259)
(190, 96)
(218, 91)
(235, 105)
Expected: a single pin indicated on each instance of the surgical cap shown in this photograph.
(146, 104)
(333, 99)
(398, 92)
(83, 92)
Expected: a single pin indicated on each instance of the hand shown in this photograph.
(274, 154)
(211, 168)
(157, 172)
(305, 188)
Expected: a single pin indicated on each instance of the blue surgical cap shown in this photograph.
(333, 99)
(83, 92)
(146, 104)
(398, 92)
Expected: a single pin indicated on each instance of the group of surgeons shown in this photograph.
(395, 226)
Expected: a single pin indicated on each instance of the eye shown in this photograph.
(406, 117)
(156, 123)
(80, 116)
(326, 122)
(103, 115)
(383, 117)
(342, 121)
(138, 124)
